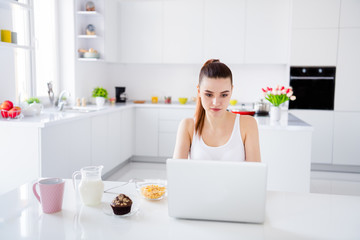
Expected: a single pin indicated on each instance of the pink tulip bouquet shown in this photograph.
(278, 95)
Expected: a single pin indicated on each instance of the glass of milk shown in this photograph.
(91, 186)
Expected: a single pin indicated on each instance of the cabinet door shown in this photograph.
(316, 13)
(65, 148)
(166, 144)
(127, 134)
(20, 156)
(146, 132)
(314, 47)
(111, 31)
(140, 33)
(100, 142)
(347, 73)
(346, 138)
(183, 31)
(349, 15)
(115, 139)
(267, 31)
(322, 137)
(224, 37)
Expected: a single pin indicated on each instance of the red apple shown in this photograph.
(4, 113)
(14, 112)
(6, 105)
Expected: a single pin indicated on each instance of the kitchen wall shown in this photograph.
(180, 80)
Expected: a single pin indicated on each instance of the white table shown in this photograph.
(288, 216)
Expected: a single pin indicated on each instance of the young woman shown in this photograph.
(214, 133)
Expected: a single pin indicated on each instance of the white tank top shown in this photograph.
(233, 150)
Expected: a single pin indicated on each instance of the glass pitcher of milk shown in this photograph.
(91, 186)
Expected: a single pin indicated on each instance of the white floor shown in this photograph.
(321, 182)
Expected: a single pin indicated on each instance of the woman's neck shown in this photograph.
(217, 122)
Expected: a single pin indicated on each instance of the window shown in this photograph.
(46, 54)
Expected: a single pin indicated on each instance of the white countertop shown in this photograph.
(288, 216)
(50, 116)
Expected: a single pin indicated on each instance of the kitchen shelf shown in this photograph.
(89, 13)
(13, 45)
(90, 59)
(88, 36)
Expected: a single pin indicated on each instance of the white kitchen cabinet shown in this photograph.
(183, 31)
(140, 31)
(311, 47)
(347, 72)
(169, 120)
(267, 31)
(146, 132)
(125, 139)
(20, 158)
(288, 167)
(346, 138)
(115, 143)
(314, 39)
(322, 138)
(100, 141)
(65, 148)
(349, 15)
(315, 14)
(112, 139)
(224, 37)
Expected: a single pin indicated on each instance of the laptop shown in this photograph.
(216, 190)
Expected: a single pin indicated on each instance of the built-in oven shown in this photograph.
(314, 87)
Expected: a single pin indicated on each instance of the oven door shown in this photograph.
(313, 94)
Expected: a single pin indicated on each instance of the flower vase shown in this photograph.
(100, 101)
(275, 113)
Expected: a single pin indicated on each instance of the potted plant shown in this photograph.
(277, 96)
(100, 94)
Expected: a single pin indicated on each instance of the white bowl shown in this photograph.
(91, 55)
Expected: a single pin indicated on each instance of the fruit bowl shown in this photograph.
(14, 113)
(183, 100)
(151, 189)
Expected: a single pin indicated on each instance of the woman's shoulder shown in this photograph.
(187, 123)
(247, 121)
(187, 126)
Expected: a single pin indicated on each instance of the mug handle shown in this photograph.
(35, 192)
(74, 178)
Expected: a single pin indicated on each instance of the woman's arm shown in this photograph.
(251, 139)
(183, 139)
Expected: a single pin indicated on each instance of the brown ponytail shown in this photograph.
(212, 68)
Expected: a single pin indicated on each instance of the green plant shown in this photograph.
(278, 95)
(100, 92)
(32, 100)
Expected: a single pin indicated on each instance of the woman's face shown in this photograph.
(215, 94)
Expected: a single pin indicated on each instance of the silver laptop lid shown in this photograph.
(214, 190)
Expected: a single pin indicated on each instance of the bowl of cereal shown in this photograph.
(151, 189)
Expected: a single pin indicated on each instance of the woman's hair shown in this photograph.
(213, 68)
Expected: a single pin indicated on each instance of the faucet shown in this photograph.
(61, 103)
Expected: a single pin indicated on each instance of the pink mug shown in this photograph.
(51, 194)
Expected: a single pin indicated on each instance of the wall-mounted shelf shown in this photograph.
(13, 45)
(88, 36)
(89, 13)
(91, 59)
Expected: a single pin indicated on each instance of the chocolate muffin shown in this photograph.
(121, 204)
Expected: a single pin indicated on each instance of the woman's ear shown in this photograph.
(198, 89)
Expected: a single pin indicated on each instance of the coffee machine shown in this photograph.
(120, 94)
